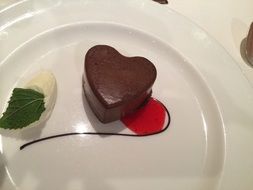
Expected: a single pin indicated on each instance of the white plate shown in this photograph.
(208, 144)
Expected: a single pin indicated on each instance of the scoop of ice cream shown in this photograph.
(45, 83)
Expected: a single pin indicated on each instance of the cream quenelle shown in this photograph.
(31, 104)
(45, 83)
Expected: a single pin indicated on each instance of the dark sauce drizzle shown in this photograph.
(98, 133)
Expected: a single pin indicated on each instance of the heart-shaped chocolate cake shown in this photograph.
(116, 85)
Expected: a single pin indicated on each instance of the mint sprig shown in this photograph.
(25, 107)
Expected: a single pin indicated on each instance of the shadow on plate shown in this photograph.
(2, 170)
(25, 133)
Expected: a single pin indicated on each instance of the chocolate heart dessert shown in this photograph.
(116, 85)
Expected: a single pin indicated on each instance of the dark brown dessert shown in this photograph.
(249, 45)
(116, 85)
(161, 1)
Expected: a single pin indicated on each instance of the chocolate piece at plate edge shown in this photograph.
(161, 1)
(249, 45)
(115, 85)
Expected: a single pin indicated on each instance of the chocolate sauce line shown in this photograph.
(99, 133)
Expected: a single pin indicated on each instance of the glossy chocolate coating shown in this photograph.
(116, 85)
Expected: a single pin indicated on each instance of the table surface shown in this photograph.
(225, 20)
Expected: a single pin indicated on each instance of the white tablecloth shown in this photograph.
(227, 21)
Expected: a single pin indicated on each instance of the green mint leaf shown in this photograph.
(25, 107)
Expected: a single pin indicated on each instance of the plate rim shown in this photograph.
(166, 10)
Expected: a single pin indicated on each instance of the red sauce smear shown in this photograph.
(149, 119)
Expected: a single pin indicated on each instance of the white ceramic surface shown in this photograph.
(227, 21)
(203, 88)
